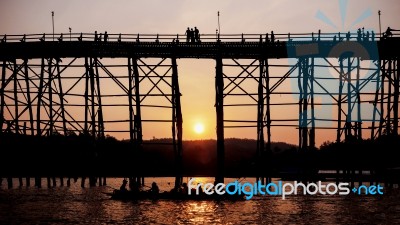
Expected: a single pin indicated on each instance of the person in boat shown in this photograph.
(123, 186)
(154, 188)
(183, 189)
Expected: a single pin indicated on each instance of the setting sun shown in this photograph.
(199, 128)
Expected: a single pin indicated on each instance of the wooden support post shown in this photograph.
(15, 79)
(378, 86)
(311, 84)
(92, 101)
(130, 102)
(20, 181)
(349, 101)
(28, 181)
(339, 102)
(87, 72)
(28, 95)
(305, 105)
(100, 121)
(268, 106)
(389, 73)
(268, 115)
(219, 106)
(39, 99)
(138, 117)
(177, 124)
(382, 98)
(48, 182)
(62, 181)
(260, 122)
(38, 182)
(50, 92)
(83, 182)
(61, 97)
(396, 75)
(92, 181)
(2, 101)
(9, 182)
(359, 119)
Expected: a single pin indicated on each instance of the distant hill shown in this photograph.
(72, 154)
(200, 156)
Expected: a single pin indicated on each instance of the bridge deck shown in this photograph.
(387, 48)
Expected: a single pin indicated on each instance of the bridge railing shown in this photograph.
(370, 36)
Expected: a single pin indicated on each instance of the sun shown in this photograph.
(199, 128)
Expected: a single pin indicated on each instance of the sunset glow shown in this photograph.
(199, 128)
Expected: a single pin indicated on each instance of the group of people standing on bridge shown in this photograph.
(365, 36)
(192, 36)
(99, 37)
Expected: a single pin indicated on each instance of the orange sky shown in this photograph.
(197, 75)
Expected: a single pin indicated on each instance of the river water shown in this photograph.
(76, 205)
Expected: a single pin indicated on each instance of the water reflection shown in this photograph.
(75, 205)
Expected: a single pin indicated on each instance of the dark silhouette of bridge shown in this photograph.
(45, 81)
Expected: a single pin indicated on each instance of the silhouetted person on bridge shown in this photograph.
(23, 38)
(42, 38)
(388, 32)
(359, 34)
(367, 36)
(192, 39)
(80, 37)
(105, 36)
(187, 35)
(196, 34)
(372, 36)
(95, 36)
(272, 37)
(60, 39)
(319, 35)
